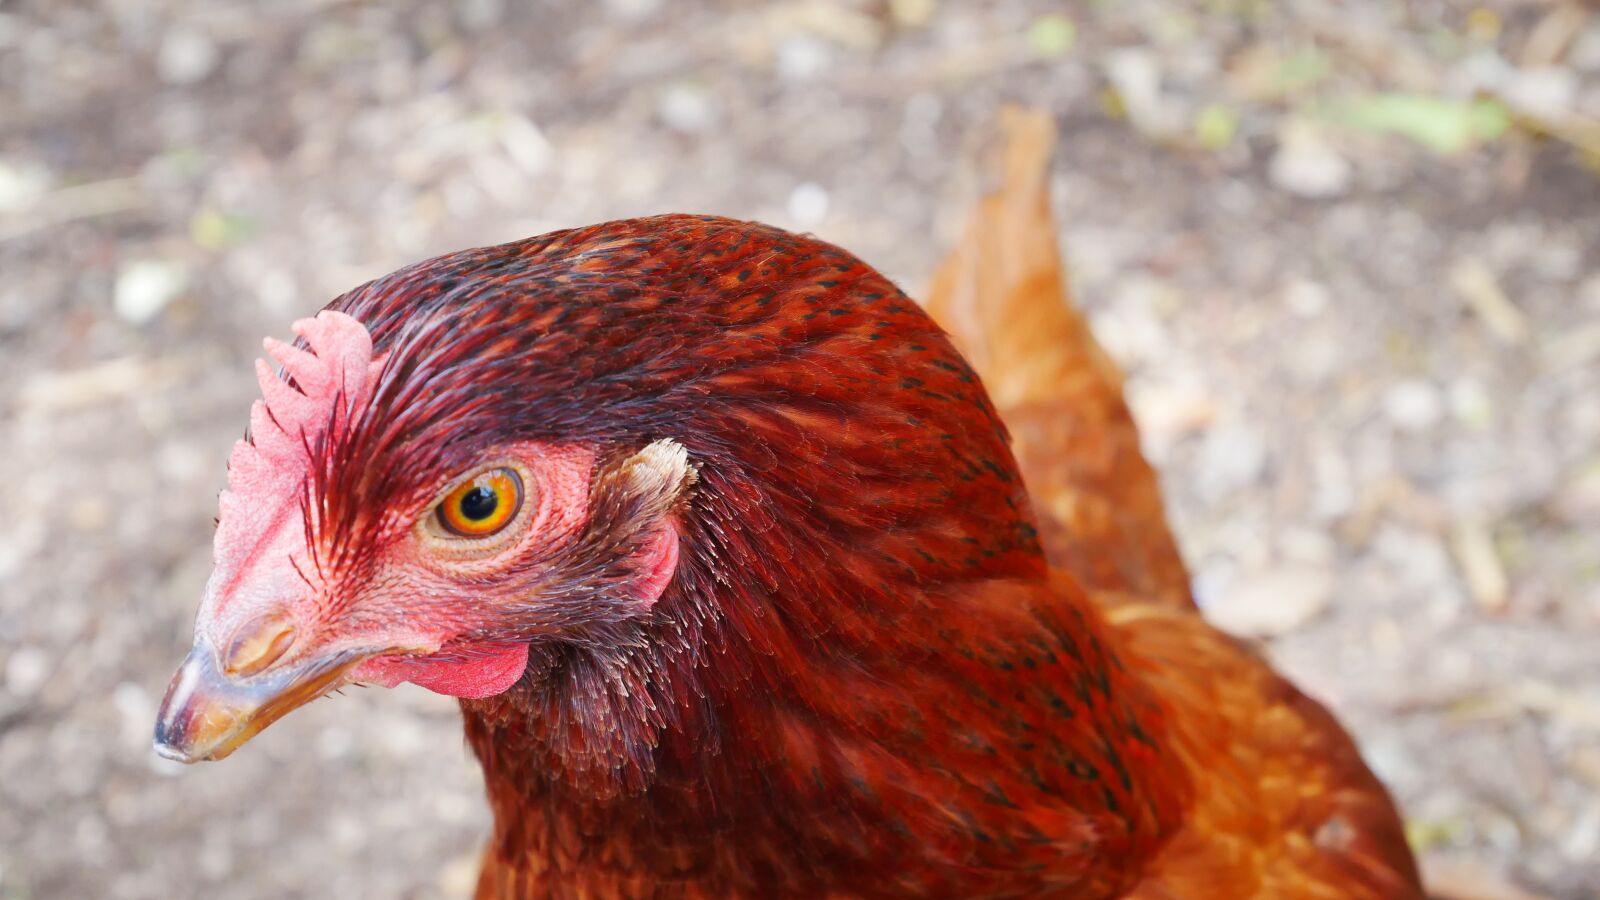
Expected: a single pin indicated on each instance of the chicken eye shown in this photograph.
(482, 505)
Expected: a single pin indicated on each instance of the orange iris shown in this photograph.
(483, 504)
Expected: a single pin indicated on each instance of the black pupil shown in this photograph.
(479, 503)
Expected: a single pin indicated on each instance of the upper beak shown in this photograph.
(208, 714)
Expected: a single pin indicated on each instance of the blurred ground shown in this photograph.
(1349, 254)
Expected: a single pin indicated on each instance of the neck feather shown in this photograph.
(798, 712)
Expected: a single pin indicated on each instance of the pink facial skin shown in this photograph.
(425, 593)
(491, 670)
(474, 673)
(558, 483)
(419, 571)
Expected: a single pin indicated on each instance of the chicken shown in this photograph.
(722, 546)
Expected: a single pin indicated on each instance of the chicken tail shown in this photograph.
(1001, 295)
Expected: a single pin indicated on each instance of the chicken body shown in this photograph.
(899, 696)
(872, 665)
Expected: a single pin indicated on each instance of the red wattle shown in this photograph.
(484, 674)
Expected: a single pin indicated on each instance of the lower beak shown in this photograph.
(208, 714)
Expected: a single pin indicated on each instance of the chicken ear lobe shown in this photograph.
(656, 477)
(633, 503)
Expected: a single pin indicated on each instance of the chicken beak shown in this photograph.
(208, 714)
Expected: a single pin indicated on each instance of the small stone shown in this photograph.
(688, 108)
(1470, 403)
(1317, 355)
(144, 287)
(27, 669)
(1131, 328)
(1582, 842)
(1306, 298)
(21, 187)
(632, 10)
(1585, 763)
(1579, 497)
(19, 545)
(1545, 92)
(1169, 411)
(334, 743)
(1272, 602)
(1136, 75)
(89, 514)
(1413, 405)
(275, 291)
(347, 832)
(1306, 545)
(1420, 561)
(1307, 165)
(1233, 457)
(1392, 760)
(91, 837)
(803, 57)
(186, 57)
(808, 205)
(1585, 52)
(403, 737)
(453, 808)
(526, 144)
(136, 711)
(480, 15)
(1210, 578)
(1333, 493)
(215, 857)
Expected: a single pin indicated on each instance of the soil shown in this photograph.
(1349, 258)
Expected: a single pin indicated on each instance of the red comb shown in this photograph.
(335, 377)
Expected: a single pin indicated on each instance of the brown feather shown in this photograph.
(1284, 805)
(1001, 294)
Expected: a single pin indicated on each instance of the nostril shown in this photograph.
(258, 644)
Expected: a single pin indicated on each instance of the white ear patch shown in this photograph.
(661, 470)
(641, 492)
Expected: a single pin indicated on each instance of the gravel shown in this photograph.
(1366, 345)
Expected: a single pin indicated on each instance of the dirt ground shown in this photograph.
(1348, 253)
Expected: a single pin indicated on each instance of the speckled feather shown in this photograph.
(864, 678)
(857, 680)
(1284, 805)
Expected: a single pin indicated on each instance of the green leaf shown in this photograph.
(1301, 70)
(217, 230)
(1215, 126)
(1052, 35)
(1442, 125)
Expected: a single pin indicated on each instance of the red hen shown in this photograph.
(723, 545)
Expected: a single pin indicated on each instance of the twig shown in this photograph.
(69, 204)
